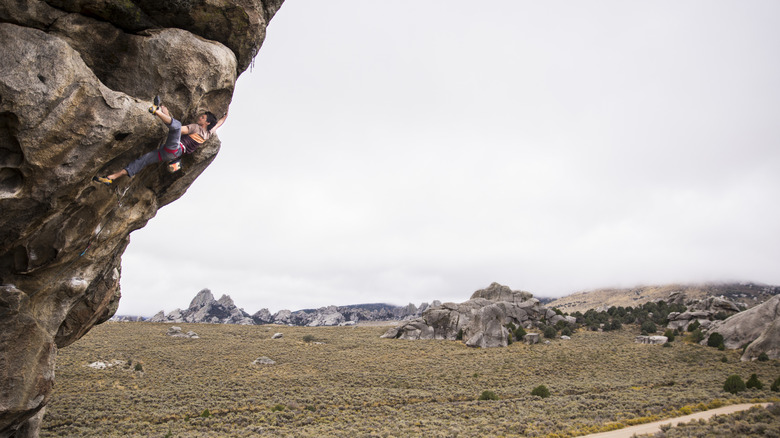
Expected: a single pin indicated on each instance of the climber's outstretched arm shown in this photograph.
(220, 122)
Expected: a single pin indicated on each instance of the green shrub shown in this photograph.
(550, 332)
(715, 340)
(277, 408)
(724, 359)
(139, 367)
(566, 331)
(459, 336)
(648, 327)
(205, 413)
(308, 338)
(519, 333)
(753, 382)
(669, 333)
(697, 336)
(734, 384)
(776, 385)
(488, 395)
(763, 357)
(541, 391)
(693, 326)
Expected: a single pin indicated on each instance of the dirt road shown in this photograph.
(655, 426)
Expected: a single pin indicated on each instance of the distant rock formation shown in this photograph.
(759, 326)
(481, 320)
(205, 309)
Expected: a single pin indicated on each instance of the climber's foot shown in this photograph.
(103, 180)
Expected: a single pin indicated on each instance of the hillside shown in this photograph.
(744, 294)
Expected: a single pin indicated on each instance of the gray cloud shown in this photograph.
(412, 151)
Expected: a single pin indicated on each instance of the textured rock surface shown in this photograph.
(758, 326)
(75, 82)
(480, 321)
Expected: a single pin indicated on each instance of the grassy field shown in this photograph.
(346, 381)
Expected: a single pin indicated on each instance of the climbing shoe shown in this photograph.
(155, 105)
(175, 165)
(102, 180)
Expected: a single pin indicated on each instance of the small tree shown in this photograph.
(541, 391)
(715, 340)
(697, 336)
(669, 333)
(648, 327)
(753, 382)
(775, 385)
(519, 333)
(734, 384)
(693, 326)
(550, 332)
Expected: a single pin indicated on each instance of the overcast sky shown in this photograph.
(412, 150)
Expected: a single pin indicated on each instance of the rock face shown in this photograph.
(480, 321)
(759, 326)
(76, 79)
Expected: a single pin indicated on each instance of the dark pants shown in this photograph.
(167, 152)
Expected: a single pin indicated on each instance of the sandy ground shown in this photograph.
(654, 427)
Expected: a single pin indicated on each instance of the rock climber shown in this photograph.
(181, 140)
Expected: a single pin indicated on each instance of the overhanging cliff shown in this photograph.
(76, 79)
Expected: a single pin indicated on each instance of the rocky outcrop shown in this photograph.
(76, 79)
(481, 321)
(757, 325)
(205, 309)
(768, 342)
(703, 310)
(175, 332)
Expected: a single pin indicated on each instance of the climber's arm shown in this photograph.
(220, 122)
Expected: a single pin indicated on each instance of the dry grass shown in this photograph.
(352, 383)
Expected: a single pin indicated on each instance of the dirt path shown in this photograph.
(655, 426)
